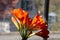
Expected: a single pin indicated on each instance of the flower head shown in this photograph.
(27, 25)
(20, 14)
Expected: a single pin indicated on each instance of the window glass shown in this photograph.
(54, 22)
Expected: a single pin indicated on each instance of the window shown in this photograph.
(27, 5)
(54, 7)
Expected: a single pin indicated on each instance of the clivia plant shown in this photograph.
(26, 25)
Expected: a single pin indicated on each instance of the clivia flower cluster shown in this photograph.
(27, 25)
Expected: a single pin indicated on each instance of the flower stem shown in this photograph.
(24, 38)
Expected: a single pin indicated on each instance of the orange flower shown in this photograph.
(38, 22)
(25, 16)
(20, 14)
(28, 23)
(17, 12)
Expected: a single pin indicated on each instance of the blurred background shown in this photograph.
(34, 7)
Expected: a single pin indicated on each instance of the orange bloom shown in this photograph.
(25, 16)
(17, 12)
(28, 23)
(20, 14)
(38, 23)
